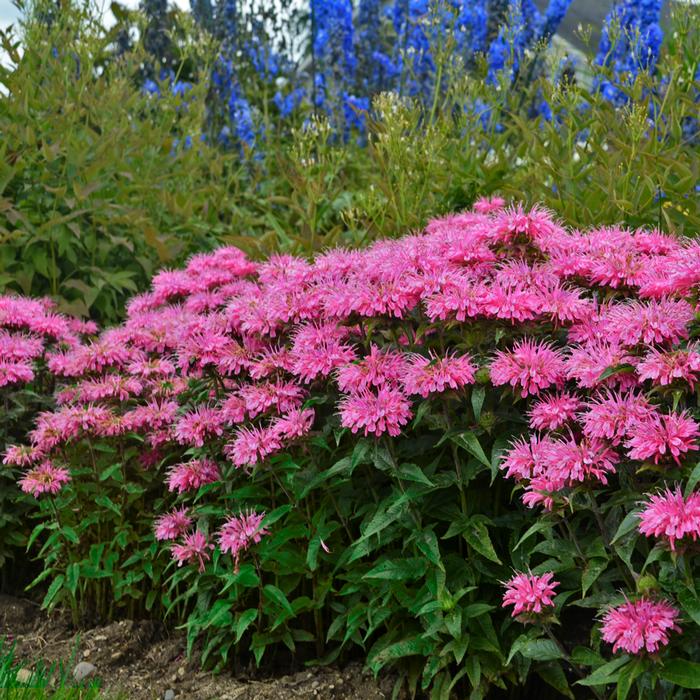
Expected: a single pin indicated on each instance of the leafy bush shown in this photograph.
(335, 451)
(28, 328)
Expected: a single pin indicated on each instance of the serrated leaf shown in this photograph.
(605, 674)
(243, 621)
(693, 480)
(412, 472)
(477, 536)
(629, 523)
(469, 441)
(407, 569)
(684, 673)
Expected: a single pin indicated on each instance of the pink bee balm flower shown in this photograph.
(46, 478)
(253, 445)
(189, 476)
(666, 367)
(294, 424)
(672, 517)
(196, 426)
(553, 411)
(194, 547)
(428, 375)
(14, 372)
(383, 412)
(379, 367)
(641, 625)
(171, 525)
(659, 436)
(529, 367)
(486, 205)
(529, 594)
(239, 532)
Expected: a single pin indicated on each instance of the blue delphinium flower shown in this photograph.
(633, 47)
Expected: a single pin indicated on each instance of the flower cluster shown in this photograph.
(586, 333)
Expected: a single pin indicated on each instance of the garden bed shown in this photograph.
(142, 659)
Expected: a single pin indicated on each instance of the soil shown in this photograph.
(143, 660)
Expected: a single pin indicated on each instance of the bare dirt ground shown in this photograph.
(142, 660)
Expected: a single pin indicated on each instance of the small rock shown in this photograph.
(86, 653)
(83, 670)
(181, 672)
(169, 694)
(116, 655)
(315, 684)
(24, 675)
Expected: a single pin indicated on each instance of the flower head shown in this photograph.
(428, 375)
(375, 413)
(239, 532)
(529, 594)
(553, 411)
(670, 516)
(532, 365)
(171, 525)
(641, 625)
(46, 478)
(189, 476)
(663, 435)
(194, 547)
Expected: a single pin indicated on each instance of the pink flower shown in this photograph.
(21, 455)
(667, 367)
(670, 516)
(46, 478)
(196, 426)
(641, 625)
(194, 547)
(529, 367)
(172, 525)
(294, 424)
(428, 375)
(14, 372)
(610, 415)
(189, 476)
(526, 458)
(379, 367)
(649, 322)
(253, 445)
(661, 435)
(376, 413)
(553, 411)
(529, 594)
(239, 532)
(318, 350)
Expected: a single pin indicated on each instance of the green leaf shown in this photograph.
(243, 621)
(605, 674)
(274, 594)
(684, 673)
(399, 569)
(477, 536)
(693, 479)
(629, 523)
(107, 502)
(427, 543)
(554, 675)
(114, 471)
(540, 650)
(469, 441)
(591, 571)
(477, 398)
(412, 472)
(539, 526)
(53, 591)
(412, 646)
(627, 677)
(72, 577)
(690, 604)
